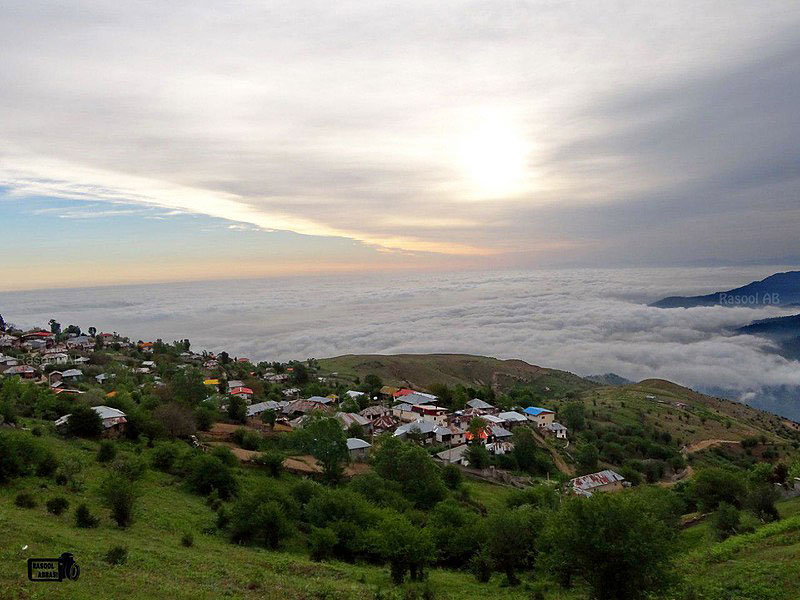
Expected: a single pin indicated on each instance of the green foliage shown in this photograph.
(511, 539)
(237, 409)
(117, 555)
(119, 493)
(85, 519)
(714, 485)
(456, 531)
(725, 521)
(106, 452)
(587, 456)
(452, 477)
(272, 461)
(57, 505)
(258, 518)
(478, 456)
(324, 439)
(321, 543)
(25, 500)
(620, 551)
(71, 472)
(225, 454)
(410, 466)
(246, 438)
(407, 549)
(187, 540)
(21, 454)
(84, 422)
(166, 455)
(572, 416)
(206, 473)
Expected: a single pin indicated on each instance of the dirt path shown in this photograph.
(558, 461)
(703, 444)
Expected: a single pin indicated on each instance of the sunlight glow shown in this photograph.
(493, 158)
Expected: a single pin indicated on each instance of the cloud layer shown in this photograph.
(585, 321)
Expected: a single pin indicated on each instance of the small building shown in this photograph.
(23, 371)
(260, 407)
(404, 412)
(358, 449)
(383, 423)
(455, 455)
(481, 405)
(323, 400)
(347, 420)
(602, 481)
(114, 420)
(387, 392)
(373, 412)
(511, 418)
(427, 432)
(354, 394)
(541, 416)
(245, 393)
(557, 429)
(55, 358)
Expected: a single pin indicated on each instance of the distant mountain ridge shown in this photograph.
(784, 331)
(609, 379)
(780, 289)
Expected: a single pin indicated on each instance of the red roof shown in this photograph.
(403, 392)
(38, 334)
(241, 390)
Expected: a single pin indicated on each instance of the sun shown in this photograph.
(493, 160)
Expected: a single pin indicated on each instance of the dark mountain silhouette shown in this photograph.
(609, 379)
(784, 331)
(781, 289)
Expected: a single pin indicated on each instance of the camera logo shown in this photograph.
(54, 569)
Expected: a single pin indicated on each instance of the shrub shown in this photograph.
(37, 431)
(259, 520)
(84, 519)
(481, 565)
(107, 451)
(272, 462)
(47, 466)
(70, 473)
(120, 496)
(57, 505)
(187, 540)
(725, 521)
(451, 475)
(129, 467)
(20, 454)
(249, 440)
(225, 455)
(206, 473)
(84, 422)
(165, 455)
(25, 500)
(321, 542)
(118, 555)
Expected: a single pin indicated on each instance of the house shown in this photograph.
(80, 342)
(358, 449)
(557, 429)
(81, 360)
(387, 392)
(458, 434)
(292, 392)
(113, 419)
(24, 371)
(404, 412)
(603, 481)
(436, 414)
(234, 383)
(511, 418)
(304, 407)
(324, 401)
(481, 405)
(55, 358)
(347, 420)
(256, 409)
(383, 423)
(149, 364)
(101, 378)
(245, 393)
(541, 416)
(354, 394)
(455, 455)
(211, 382)
(427, 431)
(8, 361)
(8, 341)
(373, 412)
(419, 398)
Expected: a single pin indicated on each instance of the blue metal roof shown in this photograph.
(535, 410)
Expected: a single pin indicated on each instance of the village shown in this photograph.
(469, 437)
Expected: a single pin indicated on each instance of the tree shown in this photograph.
(269, 417)
(120, 496)
(456, 531)
(84, 422)
(407, 549)
(259, 519)
(326, 442)
(299, 374)
(511, 539)
(451, 475)
(477, 456)
(207, 473)
(572, 415)
(2, 323)
(726, 521)
(715, 485)
(587, 456)
(621, 551)
(237, 409)
(187, 386)
(413, 468)
(92, 331)
(55, 327)
(177, 419)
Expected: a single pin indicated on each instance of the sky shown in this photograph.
(153, 141)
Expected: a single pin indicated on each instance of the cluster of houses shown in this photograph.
(403, 412)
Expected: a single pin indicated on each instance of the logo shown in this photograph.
(54, 569)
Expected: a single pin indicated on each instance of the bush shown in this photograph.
(187, 540)
(20, 454)
(70, 473)
(225, 455)
(120, 496)
(166, 455)
(37, 431)
(272, 462)
(118, 555)
(321, 542)
(107, 451)
(129, 467)
(258, 519)
(249, 440)
(481, 565)
(47, 466)
(57, 505)
(25, 500)
(207, 473)
(84, 422)
(84, 519)
(451, 475)
(725, 521)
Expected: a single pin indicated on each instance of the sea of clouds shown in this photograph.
(585, 320)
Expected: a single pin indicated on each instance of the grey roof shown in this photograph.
(260, 407)
(492, 419)
(348, 419)
(478, 403)
(374, 411)
(452, 455)
(357, 444)
(512, 416)
(354, 394)
(403, 406)
(422, 426)
(586, 483)
(418, 398)
(320, 400)
(72, 373)
(556, 427)
(500, 432)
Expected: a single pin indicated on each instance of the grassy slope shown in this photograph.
(159, 566)
(423, 370)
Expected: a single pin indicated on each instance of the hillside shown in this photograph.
(784, 331)
(780, 289)
(420, 371)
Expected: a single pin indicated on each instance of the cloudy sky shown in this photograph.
(156, 141)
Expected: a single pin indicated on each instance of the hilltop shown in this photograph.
(421, 371)
(782, 289)
(784, 331)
